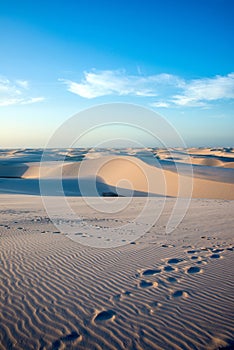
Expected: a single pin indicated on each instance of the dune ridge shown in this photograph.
(155, 290)
(125, 175)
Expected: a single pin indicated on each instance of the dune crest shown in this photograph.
(129, 173)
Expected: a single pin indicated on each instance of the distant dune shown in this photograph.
(126, 172)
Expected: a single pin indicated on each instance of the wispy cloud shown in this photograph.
(165, 89)
(23, 83)
(200, 91)
(32, 100)
(96, 84)
(160, 104)
(16, 93)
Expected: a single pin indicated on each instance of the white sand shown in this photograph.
(137, 173)
(163, 292)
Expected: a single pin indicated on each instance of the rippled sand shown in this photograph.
(157, 291)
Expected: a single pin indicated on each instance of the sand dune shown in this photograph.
(229, 165)
(201, 156)
(150, 291)
(125, 175)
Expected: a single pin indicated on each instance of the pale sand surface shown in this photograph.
(171, 291)
(53, 288)
(208, 171)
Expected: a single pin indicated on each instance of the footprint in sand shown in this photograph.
(192, 251)
(169, 268)
(104, 316)
(201, 262)
(180, 294)
(174, 261)
(146, 284)
(127, 292)
(193, 269)
(194, 257)
(215, 256)
(172, 279)
(151, 272)
(217, 250)
(72, 337)
(56, 345)
(204, 249)
(231, 249)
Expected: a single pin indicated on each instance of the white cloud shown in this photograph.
(96, 84)
(160, 104)
(8, 101)
(14, 93)
(22, 83)
(32, 100)
(200, 91)
(166, 89)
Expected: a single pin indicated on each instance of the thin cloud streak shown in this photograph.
(168, 90)
(16, 93)
(96, 84)
(198, 92)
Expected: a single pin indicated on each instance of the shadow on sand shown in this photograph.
(70, 187)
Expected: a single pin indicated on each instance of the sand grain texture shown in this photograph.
(160, 293)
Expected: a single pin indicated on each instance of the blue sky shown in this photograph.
(60, 57)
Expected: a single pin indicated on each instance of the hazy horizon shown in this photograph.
(174, 58)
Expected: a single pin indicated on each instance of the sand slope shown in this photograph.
(124, 175)
(161, 291)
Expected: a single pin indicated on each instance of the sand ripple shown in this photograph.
(156, 294)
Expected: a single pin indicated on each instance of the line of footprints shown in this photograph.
(170, 266)
(200, 257)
